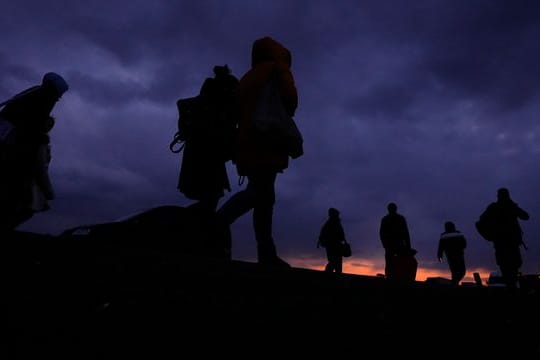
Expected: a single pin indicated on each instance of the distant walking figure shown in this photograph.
(452, 244)
(25, 152)
(203, 175)
(502, 217)
(332, 238)
(256, 160)
(394, 235)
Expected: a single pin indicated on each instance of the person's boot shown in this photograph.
(266, 255)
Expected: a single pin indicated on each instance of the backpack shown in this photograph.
(275, 127)
(201, 119)
(484, 226)
(190, 110)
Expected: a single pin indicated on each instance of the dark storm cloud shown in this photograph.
(489, 52)
(481, 51)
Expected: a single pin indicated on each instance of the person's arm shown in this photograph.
(520, 213)
(342, 234)
(287, 89)
(322, 236)
(382, 233)
(440, 250)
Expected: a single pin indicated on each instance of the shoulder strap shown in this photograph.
(176, 141)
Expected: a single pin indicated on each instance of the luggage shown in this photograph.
(403, 268)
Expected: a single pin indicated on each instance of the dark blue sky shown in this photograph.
(430, 104)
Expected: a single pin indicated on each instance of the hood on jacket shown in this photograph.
(268, 49)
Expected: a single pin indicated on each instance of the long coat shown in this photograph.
(203, 173)
(21, 160)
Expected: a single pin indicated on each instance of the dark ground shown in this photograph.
(74, 303)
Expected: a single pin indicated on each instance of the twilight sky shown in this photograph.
(432, 104)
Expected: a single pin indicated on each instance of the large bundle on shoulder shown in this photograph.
(210, 117)
(485, 227)
(488, 223)
(201, 120)
(189, 110)
(274, 125)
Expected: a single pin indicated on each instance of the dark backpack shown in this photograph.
(485, 227)
(190, 111)
(201, 119)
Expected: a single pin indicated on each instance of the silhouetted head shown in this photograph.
(55, 82)
(449, 226)
(268, 49)
(392, 208)
(333, 212)
(222, 70)
(503, 194)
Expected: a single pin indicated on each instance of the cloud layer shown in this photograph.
(430, 104)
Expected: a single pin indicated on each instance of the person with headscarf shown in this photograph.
(254, 159)
(25, 152)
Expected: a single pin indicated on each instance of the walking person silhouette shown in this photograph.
(452, 244)
(203, 174)
(255, 159)
(502, 217)
(332, 238)
(25, 151)
(395, 238)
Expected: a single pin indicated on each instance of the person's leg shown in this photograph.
(264, 199)
(388, 268)
(457, 268)
(236, 206)
(334, 259)
(460, 270)
(328, 267)
(509, 261)
(510, 276)
(339, 264)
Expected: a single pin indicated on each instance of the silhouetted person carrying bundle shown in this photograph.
(332, 238)
(203, 174)
(395, 238)
(257, 160)
(25, 153)
(452, 245)
(502, 220)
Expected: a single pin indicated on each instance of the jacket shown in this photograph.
(269, 58)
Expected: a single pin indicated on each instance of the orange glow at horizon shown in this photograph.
(373, 267)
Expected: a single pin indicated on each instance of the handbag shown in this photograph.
(276, 128)
(346, 249)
